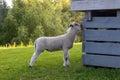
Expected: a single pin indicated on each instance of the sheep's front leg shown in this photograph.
(66, 58)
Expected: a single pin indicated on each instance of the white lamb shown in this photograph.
(63, 42)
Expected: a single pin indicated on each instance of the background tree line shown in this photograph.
(30, 19)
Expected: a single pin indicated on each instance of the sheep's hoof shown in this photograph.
(66, 66)
(30, 67)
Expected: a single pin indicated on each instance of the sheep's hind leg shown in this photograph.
(34, 57)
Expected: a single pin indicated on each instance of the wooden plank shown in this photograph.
(102, 35)
(84, 5)
(102, 22)
(101, 60)
(102, 48)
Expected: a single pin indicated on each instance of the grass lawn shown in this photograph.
(14, 66)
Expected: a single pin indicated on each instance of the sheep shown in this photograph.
(62, 42)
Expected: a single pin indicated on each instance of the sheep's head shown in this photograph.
(75, 25)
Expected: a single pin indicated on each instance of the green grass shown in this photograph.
(14, 66)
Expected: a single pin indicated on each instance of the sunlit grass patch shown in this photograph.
(78, 43)
(14, 47)
(27, 46)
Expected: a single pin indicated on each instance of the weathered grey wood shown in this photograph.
(102, 22)
(101, 60)
(102, 35)
(118, 13)
(84, 5)
(89, 16)
(102, 48)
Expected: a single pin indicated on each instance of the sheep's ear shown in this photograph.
(70, 25)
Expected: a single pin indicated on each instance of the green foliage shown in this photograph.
(22, 35)
(38, 32)
(30, 19)
(30, 43)
(9, 28)
(3, 13)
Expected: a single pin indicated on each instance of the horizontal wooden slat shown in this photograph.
(102, 35)
(101, 60)
(102, 48)
(102, 22)
(84, 5)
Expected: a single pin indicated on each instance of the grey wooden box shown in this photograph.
(101, 32)
(84, 5)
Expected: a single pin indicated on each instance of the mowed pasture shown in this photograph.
(14, 65)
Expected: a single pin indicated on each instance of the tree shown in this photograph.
(29, 19)
(38, 32)
(9, 28)
(3, 13)
(22, 36)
